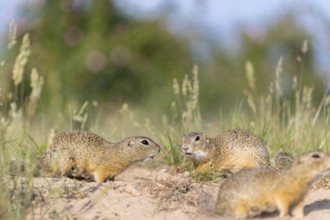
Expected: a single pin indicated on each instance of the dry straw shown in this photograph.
(21, 60)
(12, 34)
(2, 63)
(250, 76)
(176, 87)
(249, 69)
(195, 88)
(81, 116)
(278, 73)
(36, 85)
(304, 47)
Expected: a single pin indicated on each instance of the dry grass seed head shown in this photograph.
(278, 73)
(12, 34)
(304, 46)
(249, 70)
(21, 60)
(176, 87)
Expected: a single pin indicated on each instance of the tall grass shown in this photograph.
(293, 124)
(17, 111)
(185, 116)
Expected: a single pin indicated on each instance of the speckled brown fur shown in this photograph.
(86, 155)
(250, 192)
(230, 151)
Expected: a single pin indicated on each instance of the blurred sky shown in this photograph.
(220, 19)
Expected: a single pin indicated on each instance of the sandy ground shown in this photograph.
(141, 193)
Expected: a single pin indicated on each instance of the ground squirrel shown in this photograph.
(252, 191)
(86, 155)
(230, 151)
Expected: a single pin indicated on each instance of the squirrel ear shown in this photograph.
(130, 143)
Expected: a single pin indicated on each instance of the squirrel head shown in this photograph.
(195, 145)
(316, 163)
(139, 148)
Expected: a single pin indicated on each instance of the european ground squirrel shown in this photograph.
(230, 151)
(86, 155)
(253, 191)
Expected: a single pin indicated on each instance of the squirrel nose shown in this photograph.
(185, 147)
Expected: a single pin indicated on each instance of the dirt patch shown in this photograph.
(141, 193)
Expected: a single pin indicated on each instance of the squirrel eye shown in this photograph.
(145, 142)
(316, 156)
(197, 138)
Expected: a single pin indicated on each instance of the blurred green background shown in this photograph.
(110, 53)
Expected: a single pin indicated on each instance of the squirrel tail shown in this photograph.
(282, 160)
